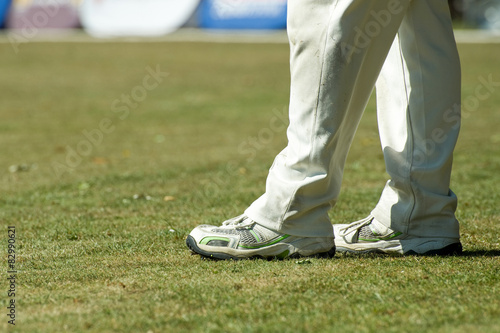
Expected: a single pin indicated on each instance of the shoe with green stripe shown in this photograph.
(243, 238)
(369, 235)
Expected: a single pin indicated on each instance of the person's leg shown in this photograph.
(418, 102)
(337, 50)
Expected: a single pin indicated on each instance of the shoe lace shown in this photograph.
(355, 226)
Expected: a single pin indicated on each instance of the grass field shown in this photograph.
(103, 188)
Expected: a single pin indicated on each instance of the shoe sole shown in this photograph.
(454, 249)
(193, 246)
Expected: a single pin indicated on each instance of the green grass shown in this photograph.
(94, 258)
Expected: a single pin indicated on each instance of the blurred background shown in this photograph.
(109, 18)
(146, 118)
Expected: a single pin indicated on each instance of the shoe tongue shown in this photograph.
(264, 232)
(246, 221)
(238, 221)
(243, 223)
(378, 228)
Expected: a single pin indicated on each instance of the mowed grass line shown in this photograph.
(101, 250)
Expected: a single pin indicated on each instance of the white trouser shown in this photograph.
(338, 48)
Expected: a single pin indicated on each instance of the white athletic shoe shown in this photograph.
(369, 235)
(242, 238)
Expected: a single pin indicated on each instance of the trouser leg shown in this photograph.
(418, 103)
(337, 50)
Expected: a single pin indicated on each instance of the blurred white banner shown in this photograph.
(108, 18)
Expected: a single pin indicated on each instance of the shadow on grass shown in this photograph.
(481, 253)
(471, 253)
(373, 255)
